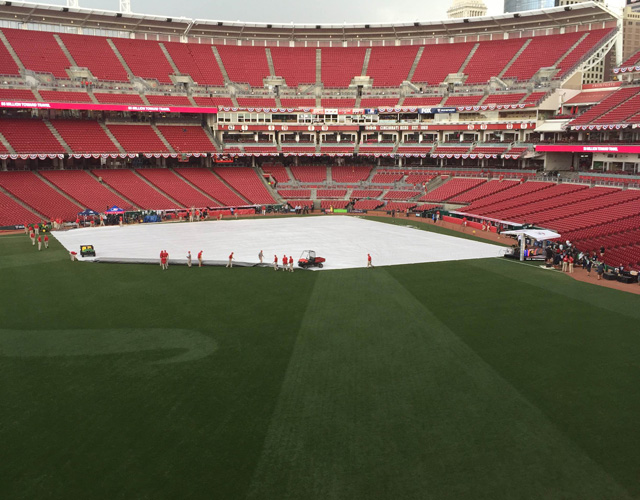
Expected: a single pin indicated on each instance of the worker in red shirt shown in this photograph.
(275, 262)
(570, 264)
(284, 262)
(121, 221)
(290, 264)
(165, 260)
(161, 257)
(464, 224)
(230, 263)
(369, 264)
(39, 243)
(46, 241)
(32, 235)
(200, 258)
(77, 221)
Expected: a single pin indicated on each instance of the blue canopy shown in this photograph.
(115, 210)
(88, 213)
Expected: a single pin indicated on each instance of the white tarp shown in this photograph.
(343, 240)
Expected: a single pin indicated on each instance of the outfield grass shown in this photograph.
(480, 379)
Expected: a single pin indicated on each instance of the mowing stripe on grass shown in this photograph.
(382, 400)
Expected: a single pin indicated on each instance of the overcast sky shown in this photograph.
(297, 11)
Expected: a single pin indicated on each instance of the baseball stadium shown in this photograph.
(452, 212)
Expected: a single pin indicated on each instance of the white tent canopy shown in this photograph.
(536, 234)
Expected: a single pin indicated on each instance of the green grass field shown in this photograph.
(482, 379)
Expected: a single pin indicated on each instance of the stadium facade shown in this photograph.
(523, 5)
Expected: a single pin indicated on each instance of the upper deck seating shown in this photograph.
(389, 66)
(245, 64)
(95, 54)
(297, 65)
(145, 59)
(198, 61)
(38, 51)
(340, 65)
(438, 61)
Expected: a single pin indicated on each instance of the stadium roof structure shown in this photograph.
(82, 18)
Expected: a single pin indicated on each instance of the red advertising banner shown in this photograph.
(551, 148)
(104, 107)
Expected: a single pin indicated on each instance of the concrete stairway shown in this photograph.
(514, 58)
(6, 144)
(72, 61)
(14, 56)
(153, 186)
(176, 71)
(112, 137)
(186, 181)
(415, 63)
(162, 138)
(59, 191)
(318, 67)
(573, 47)
(58, 136)
(114, 191)
(272, 69)
(231, 188)
(365, 64)
(466, 61)
(216, 54)
(121, 59)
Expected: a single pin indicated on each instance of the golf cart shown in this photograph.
(87, 251)
(309, 259)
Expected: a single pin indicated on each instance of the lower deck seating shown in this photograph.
(173, 185)
(211, 184)
(349, 174)
(400, 195)
(30, 136)
(12, 213)
(36, 193)
(86, 189)
(452, 188)
(246, 182)
(365, 193)
(138, 138)
(310, 173)
(295, 193)
(125, 181)
(331, 193)
(277, 171)
(335, 204)
(85, 136)
(367, 204)
(187, 139)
